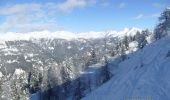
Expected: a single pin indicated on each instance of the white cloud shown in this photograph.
(26, 23)
(36, 17)
(20, 8)
(156, 15)
(91, 2)
(122, 5)
(69, 5)
(158, 5)
(28, 17)
(140, 16)
(105, 4)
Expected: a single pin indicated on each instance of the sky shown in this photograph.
(79, 15)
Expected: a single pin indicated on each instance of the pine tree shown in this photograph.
(106, 67)
(126, 42)
(78, 90)
(92, 59)
(163, 27)
(141, 39)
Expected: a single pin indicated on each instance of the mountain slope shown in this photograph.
(144, 76)
(33, 63)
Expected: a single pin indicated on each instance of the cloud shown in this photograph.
(20, 8)
(37, 16)
(105, 4)
(28, 17)
(27, 23)
(140, 16)
(158, 5)
(93, 2)
(122, 5)
(69, 5)
(156, 15)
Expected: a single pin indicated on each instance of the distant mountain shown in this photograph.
(10, 36)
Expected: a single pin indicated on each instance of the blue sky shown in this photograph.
(78, 15)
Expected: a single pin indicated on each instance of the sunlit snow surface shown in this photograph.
(18, 71)
(145, 76)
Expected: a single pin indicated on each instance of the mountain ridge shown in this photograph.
(11, 36)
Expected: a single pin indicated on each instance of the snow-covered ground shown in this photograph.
(145, 76)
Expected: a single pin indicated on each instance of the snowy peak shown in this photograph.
(129, 31)
(10, 36)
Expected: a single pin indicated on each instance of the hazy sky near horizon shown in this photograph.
(78, 15)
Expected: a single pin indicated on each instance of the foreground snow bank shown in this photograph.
(144, 76)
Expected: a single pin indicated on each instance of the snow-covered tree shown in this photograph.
(141, 39)
(92, 59)
(163, 27)
(78, 90)
(106, 70)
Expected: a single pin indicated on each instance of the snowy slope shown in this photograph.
(144, 76)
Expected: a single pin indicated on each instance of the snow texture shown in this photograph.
(35, 96)
(145, 76)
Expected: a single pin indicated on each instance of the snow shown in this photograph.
(69, 47)
(51, 48)
(128, 32)
(144, 76)
(2, 45)
(92, 68)
(81, 48)
(10, 49)
(149, 39)
(11, 61)
(1, 75)
(11, 36)
(30, 55)
(133, 46)
(18, 71)
(8, 53)
(35, 96)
